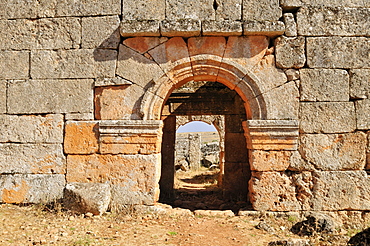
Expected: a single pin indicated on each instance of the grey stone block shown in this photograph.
(143, 10)
(83, 63)
(290, 25)
(290, 52)
(50, 96)
(334, 152)
(363, 114)
(228, 9)
(334, 3)
(32, 158)
(3, 89)
(261, 10)
(359, 83)
(327, 117)
(131, 28)
(31, 128)
(100, 32)
(222, 28)
(87, 197)
(340, 190)
(265, 28)
(338, 52)
(46, 33)
(14, 64)
(324, 85)
(183, 28)
(190, 9)
(326, 21)
(31, 188)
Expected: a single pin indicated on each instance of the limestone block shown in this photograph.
(190, 9)
(14, 64)
(290, 25)
(3, 89)
(324, 85)
(81, 137)
(87, 8)
(266, 28)
(261, 10)
(287, 106)
(334, 152)
(368, 151)
(100, 32)
(363, 114)
(127, 97)
(341, 190)
(87, 197)
(183, 28)
(171, 54)
(334, 3)
(328, 21)
(31, 188)
(267, 161)
(359, 83)
(134, 178)
(290, 52)
(292, 74)
(327, 117)
(79, 116)
(50, 96)
(338, 52)
(144, 10)
(131, 28)
(111, 81)
(246, 51)
(144, 44)
(32, 158)
(228, 9)
(222, 28)
(32, 128)
(273, 191)
(46, 33)
(80, 63)
(136, 68)
(14, 9)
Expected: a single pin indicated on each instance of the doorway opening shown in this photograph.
(225, 187)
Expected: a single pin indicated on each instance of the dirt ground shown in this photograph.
(41, 225)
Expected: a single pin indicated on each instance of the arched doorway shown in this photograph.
(199, 99)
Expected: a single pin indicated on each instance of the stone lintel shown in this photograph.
(112, 81)
(133, 28)
(271, 134)
(263, 28)
(183, 28)
(130, 127)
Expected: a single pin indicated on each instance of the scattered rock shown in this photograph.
(264, 226)
(360, 239)
(315, 223)
(290, 242)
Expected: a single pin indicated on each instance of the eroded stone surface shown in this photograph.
(341, 190)
(290, 52)
(46, 33)
(228, 9)
(190, 9)
(100, 32)
(338, 52)
(267, 28)
(130, 28)
(335, 117)
(143, 10)
(334, 152)
(345, 3)
(32, 158)
(87, 197)
(290, 25)
(261, 10)
(50, 96)
(363, 114)
(359, 83)
(183, 28)
(269, 160)
(222, 28)
(32, 128)
(82, 63)
(143, 44)
(31, 188)
(3, 89)
(324, 85)
(14, 64)
(337, 21)
(81, 137)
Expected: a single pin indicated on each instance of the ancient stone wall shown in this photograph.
(83, 84)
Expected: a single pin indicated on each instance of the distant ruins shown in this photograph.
(91, 93)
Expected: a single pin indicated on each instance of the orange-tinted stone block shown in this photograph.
(143, 44)
(16, 194)
(81, 137)
(269, 160)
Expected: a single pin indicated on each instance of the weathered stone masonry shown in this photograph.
(84, 85)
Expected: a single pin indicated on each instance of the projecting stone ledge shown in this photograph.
(271, 134)
(192, 28)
